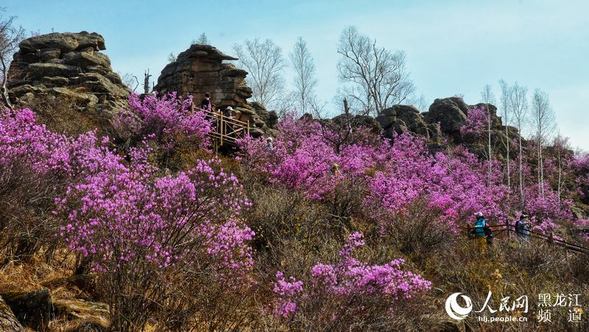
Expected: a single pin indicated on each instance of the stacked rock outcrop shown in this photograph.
(67, 68)
(201, 69)
(443, 122)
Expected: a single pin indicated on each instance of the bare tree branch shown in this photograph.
(264, 63)
(304, 80)
(376, 77)
(10, 37)
(544, 125)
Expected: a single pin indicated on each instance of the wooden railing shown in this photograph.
(510, 229)
(226, 129)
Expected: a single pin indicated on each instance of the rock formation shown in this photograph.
(442, 122)
(67, 69)
(403, 118)
(8, 321)
(201, 69)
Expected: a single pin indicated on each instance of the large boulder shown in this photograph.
(8, 321)
(203, 69)
(33, 309)
(407, 118)
(89, 316)
(450, 113)
(64, 42)
(67, 80)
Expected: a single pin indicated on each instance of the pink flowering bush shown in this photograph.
(476, 122)
(136, 227)
(154, 216)
(347, 290)
(23, 141)
(580, 165)
(287, 291)
(36, 165)
(166, 121)
(131, 223)
(309, 157)
(454, 183)
(314, 158)
(546, 209)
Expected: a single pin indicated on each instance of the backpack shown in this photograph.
(479, 227)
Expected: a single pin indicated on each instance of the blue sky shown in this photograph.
(453, 47)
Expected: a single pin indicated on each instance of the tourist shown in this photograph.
(228, 112)
(269, 143)
(522, 227)
(206, 103)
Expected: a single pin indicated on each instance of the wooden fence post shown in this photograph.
(222, 129)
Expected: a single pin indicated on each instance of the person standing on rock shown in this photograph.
(206, 104)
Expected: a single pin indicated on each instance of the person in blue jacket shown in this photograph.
(480, 225)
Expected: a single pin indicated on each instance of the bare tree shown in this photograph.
(10, 37)
(560, 144)
(419, 102)
(517, 105)
(506, 106)
(131, 81)
(172, 57)
(376, 77)
(544, 125)
(146, 78)
(488, 98)
(202, 40)
(304, 80)
(264, 62)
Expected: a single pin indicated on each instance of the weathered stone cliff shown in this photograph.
(201, 69)
(67, 69)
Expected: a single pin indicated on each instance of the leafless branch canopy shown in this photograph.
(131, 81)
(304, 80)
(542, 117)
(264, 62)
(377, 78)
(10, 37)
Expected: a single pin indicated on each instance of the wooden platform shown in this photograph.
(226, 130)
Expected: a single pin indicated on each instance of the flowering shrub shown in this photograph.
(36, 165)
(350, 282)
(25, 141)
(165, 119)
(580, 166)
(124, 213)
(476, 122)
(287, 292)
(308, 157)
(136, 227)
(546, 208)
(454, 183)
(350, 277)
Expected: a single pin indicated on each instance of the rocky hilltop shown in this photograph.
(442, 123)
(67, 69)
(202, 69)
